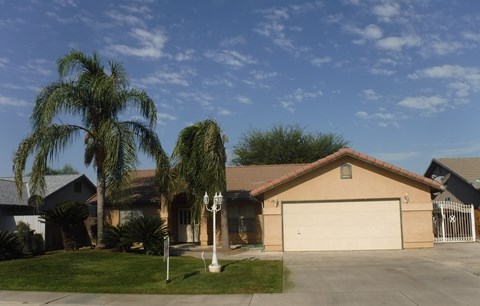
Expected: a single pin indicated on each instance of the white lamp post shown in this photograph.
(216, 207)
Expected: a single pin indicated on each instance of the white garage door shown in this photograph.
(359, 225)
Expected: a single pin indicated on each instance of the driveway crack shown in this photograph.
(57, 299)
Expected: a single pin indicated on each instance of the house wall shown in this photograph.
(368, 182)
(248, 237)
(67, 193)
(112, 213)
(457, 190)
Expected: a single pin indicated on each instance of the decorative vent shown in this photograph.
(346, 171)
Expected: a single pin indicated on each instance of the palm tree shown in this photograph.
(199, 161)
(97, 97)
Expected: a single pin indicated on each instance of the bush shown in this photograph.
(38, 245)
(149, 231)
(10, 246)
(114, 237)
(70, 216)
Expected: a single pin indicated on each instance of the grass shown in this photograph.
(109, 272)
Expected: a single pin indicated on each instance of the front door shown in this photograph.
(185, 231)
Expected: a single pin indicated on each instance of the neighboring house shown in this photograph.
(345, 201)
(59, 189)
(461, 177)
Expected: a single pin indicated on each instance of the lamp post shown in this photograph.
(216, 207)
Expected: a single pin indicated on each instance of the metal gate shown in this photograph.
(453, 222)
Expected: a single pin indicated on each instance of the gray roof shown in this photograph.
(8, 194)
(467, 168)
(8, 190)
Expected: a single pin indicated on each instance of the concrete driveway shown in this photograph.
(448, 274)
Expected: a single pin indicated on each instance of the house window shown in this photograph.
(241, 219)
(346, 171)
(77, 187)
(129, 214)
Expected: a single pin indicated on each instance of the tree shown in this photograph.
(284, 145)
(67, 169)
(199, 160)
(96, 96)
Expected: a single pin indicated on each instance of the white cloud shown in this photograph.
(275, 28)
(151, 44)
(7, 101)
(125, 19)
(432, 104)
(370, 32)
(386, 11)
(4, 61)
(261, 75)
(223, 112)
(471, 36)
(169, 77)
(71, 3)
(243, 100)
(203, 99)
(441, 47)
(371, 95)
(233, 41)
(298, 96)
(395, 43)
(38, 67)
(381, 118)
(185, 56)
(319, 61)
(382, 71)
(163, 118)
(230, 58)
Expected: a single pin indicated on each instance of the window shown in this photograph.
(241, 219)
(129, 214)
(346, 171)
(77, 187)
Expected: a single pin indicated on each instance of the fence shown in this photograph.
(453, 222)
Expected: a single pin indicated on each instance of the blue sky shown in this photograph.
(399, 79)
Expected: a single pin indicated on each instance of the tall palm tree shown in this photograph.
(97, 96)
(199, 161)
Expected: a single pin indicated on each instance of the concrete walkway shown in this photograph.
(449, 274)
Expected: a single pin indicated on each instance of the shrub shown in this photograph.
(38, 245)
(70, 216)
(114, 237)
(149, 231)
(10, 246)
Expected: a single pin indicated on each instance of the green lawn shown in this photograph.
(108, 272)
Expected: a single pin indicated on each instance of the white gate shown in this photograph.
(453, 222)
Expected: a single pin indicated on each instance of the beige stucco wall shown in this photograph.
(368, 182)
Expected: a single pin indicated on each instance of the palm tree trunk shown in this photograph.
(224, 229)
(100, 206)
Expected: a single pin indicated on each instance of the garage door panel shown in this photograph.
(361, 225)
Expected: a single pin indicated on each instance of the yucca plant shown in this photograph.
(10, 246)
(70, 216)
(149, 231)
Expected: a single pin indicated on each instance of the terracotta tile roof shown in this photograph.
(251, 177)
(467, 168)
(339, 154)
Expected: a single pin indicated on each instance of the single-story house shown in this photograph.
(59, 189)
(345, 201)
(461, 178)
